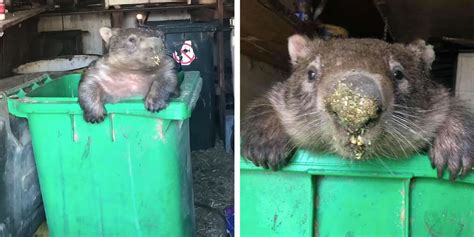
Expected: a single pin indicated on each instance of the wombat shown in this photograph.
(136, 64)
(360, 99)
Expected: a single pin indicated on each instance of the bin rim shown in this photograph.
(21, 105)
(304, 161)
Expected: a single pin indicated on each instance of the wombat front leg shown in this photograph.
(264, 139)
(454, 145)
(163, 88)
(91, 100)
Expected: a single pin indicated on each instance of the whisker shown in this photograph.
(257, 115)
(389, 148)
(385, 166)
(406, 124)
(408, 142)
(379, 151)
(398, 141)
(310, 113)
(420, 109)
(406, 114)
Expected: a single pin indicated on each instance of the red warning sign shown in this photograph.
(186, 55)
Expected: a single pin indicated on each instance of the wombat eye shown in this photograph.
(398, 74)
(311, 75)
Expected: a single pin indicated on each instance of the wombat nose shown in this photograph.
(355, 102)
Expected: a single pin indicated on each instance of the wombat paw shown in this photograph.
(273, 156)
(155, 103)
(459, 161)
(175, 94)
(95, 116)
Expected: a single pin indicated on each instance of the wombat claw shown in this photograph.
(267, 156)
(155, 103)
(458, 162)
(94, 117)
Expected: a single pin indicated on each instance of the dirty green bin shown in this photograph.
(323, 195)
(127, 176)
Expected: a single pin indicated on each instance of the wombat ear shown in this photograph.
(106, 33)
(297, 47)
(424, 51)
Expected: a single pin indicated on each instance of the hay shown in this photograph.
(213, 180)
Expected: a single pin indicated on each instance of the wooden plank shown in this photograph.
(50, 23)
(460, 41)
(275, 55)
(125, 8)
(117, 19)
(465, 78)
(18, 17)
(264, 34)
(17, 46)
(408, 19)
(124, 2)
(168, 1)
(89, 23)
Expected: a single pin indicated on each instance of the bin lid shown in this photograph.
(312, 163)
(45, 95)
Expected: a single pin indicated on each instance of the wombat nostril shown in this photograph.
(379, 111)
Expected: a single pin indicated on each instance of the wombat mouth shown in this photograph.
(156, 60)
(358, 144)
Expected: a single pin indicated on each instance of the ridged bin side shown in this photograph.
(323, 195)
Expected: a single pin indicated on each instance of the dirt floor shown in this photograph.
(213, 173)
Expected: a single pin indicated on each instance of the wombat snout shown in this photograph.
(355, 102)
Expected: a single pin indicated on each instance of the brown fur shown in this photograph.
(416, 113)
(128, 69)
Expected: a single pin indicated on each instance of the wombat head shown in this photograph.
(134, 48)
(358, 97)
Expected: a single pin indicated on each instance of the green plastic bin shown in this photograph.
(323, 195)
(127, 176)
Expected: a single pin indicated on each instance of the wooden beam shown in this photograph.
(18, 17)
(117, 19)
(412, 19)
(264, 33)
(153, 7)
